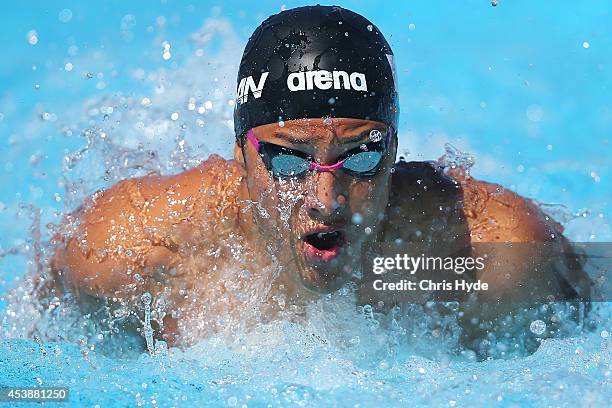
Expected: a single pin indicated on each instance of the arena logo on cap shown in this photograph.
(305, 81)
(247, 85)
(322, 79)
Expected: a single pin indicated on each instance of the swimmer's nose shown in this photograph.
(323, 201)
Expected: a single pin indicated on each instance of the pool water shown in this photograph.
(337, 355)
(149, 88)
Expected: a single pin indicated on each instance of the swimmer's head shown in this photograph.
(315, 62)
(315, 121)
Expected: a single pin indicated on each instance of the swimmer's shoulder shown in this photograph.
(213, 173)
(484, 212)
(497, 214)
(201, 195)
(157, 202)
(422, 192)
(144, 223)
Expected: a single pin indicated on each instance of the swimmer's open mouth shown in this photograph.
(323, 246)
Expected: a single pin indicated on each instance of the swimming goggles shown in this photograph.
(363, 161)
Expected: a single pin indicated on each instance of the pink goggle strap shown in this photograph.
(251, 136)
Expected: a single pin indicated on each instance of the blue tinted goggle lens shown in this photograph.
(363, 163)
(287, 165)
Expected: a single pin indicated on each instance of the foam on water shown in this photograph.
(286, 363)
(326, 352)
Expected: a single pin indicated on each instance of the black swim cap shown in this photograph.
(313, 62)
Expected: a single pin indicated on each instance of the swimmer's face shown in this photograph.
(317, 223)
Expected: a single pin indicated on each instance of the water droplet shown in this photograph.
(537, 327)
(411, 26)
(32, 37)
(455, 159)
(161, 348)
(535, 113)
(65, 15)
(35, 158)
(174, 116)
(146, 298)
(68, 67)
(357, 218)
(586, 45)
(367, 230)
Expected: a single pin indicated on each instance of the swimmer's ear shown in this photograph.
(239, 155)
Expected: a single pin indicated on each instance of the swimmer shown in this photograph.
(314, 182)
